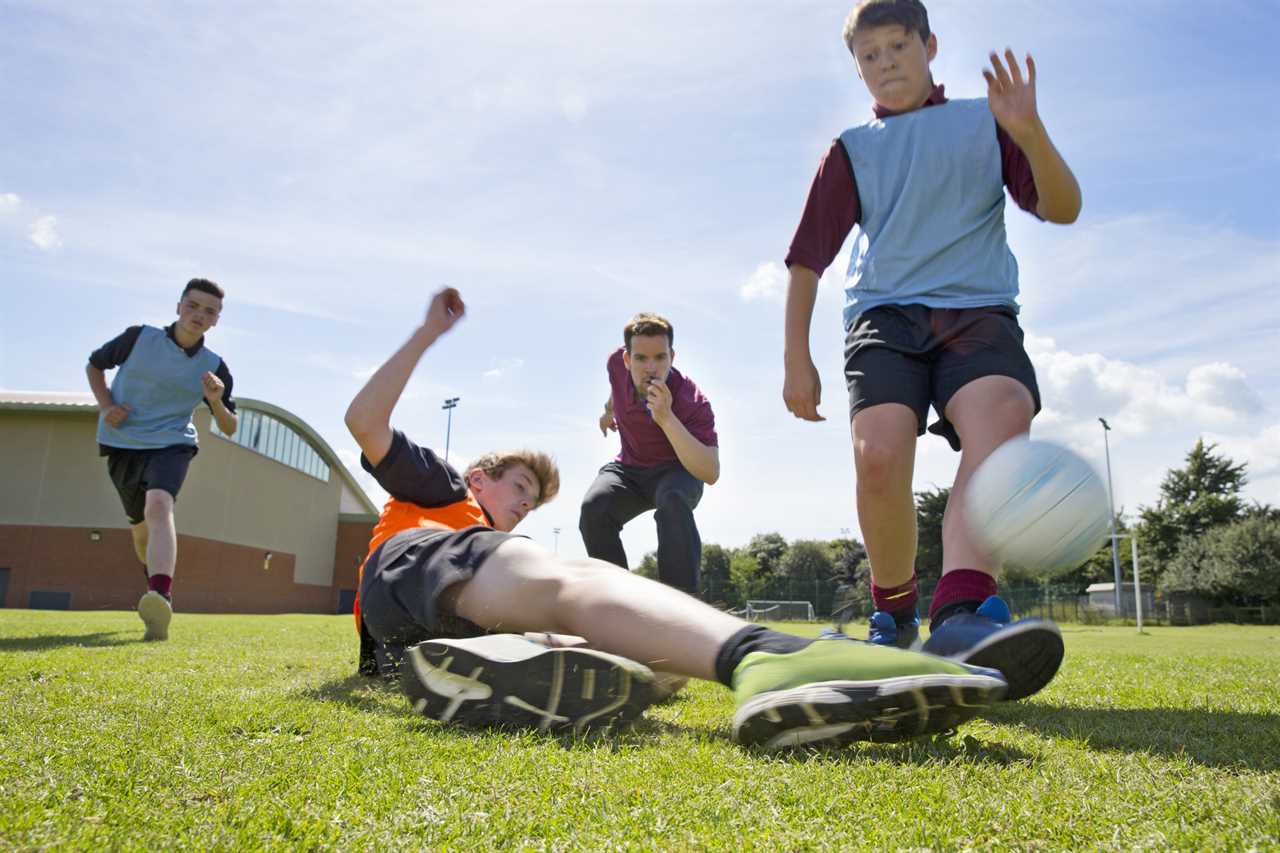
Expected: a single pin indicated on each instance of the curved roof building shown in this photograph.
(269, 520)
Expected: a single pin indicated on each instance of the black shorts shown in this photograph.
(401, 588)
(134, 472)
(915, 355)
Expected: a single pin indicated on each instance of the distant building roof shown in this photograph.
(46, 400)
(84, 402)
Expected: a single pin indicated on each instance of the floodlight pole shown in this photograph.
(449, 404)
(1111, 515)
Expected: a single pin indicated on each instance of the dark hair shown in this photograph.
(204, 286)
(646, 325)
(908, 14)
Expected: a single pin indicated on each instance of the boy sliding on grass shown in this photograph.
(930, 317)
(444, 571)
(146, 433)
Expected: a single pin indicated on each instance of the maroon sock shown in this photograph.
(160, 584)
(960, 585)
(896, 599)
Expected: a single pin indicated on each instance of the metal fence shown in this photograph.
(834, 601)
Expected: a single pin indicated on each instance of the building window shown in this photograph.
(264, 434)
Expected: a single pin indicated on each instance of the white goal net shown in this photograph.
(778, 611)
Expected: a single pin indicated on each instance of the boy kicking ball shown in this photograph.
(930, 317)
(447, 588)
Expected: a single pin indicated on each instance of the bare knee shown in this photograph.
(880, 465)
(989, 411)
(159, 506)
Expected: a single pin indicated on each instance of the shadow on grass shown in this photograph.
(362, 693)
(1229, 739)
(644, 732)
(58, 641)
(919, 751)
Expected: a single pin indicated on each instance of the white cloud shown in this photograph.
(505, 367)
(1078, 389)
(1223, 386)
(768, 284)
(44, 234)
(1261, 451)
(9, 202)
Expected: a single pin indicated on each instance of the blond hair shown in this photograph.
(544, 468)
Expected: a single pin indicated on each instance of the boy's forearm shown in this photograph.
(697, 458)
(1056, 186)
(371, 408)
(98, 385)
(227, 420)
(802, 293)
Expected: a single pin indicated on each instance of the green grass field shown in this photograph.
(251, 732)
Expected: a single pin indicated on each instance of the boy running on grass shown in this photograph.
(930, 317)
(146, 432)
(444, 571)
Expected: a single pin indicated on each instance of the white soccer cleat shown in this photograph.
(156, 612)
(508, 680)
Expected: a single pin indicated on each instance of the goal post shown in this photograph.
(779, 611)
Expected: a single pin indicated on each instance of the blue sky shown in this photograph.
(568, 164)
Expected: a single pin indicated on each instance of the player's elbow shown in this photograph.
(357, 424)
(1061, 211)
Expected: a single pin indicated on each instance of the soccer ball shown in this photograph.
(1038, 506)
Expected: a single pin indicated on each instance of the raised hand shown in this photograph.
(1012, 97)
(212, 387)
(446, 309)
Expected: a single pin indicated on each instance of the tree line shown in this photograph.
(1201, 537)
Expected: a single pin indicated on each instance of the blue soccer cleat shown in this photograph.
(885, 630)
(1027, 652)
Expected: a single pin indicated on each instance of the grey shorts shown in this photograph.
(917, 356)
(401, 586)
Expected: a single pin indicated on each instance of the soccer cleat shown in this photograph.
(1027, 652)
(506, 680)
(835, 690)
(885, 630)
(156, 611)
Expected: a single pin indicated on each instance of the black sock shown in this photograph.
(948, 610)
(905, 616)
(753, 638)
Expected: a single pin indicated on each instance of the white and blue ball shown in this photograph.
(1038, 506)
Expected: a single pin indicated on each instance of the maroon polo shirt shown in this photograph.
(832, 208)
(644, 444)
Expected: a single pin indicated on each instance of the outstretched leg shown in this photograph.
(969, 622)
(789, 690)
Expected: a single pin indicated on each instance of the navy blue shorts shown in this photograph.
(917, 356)
(401, 588)
(136, 471)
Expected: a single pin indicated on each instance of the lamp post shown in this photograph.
(556, 531)
(449, 404)
(1111, 514)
